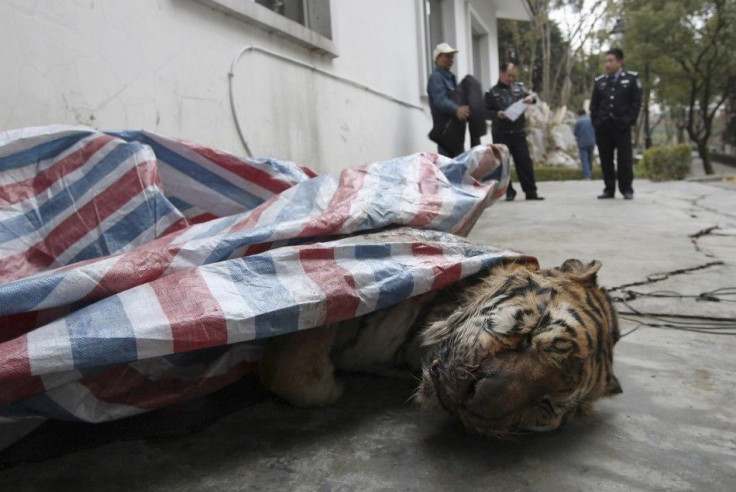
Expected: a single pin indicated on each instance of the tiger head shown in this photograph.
(524, 351)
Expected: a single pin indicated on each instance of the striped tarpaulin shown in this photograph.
(138, 270)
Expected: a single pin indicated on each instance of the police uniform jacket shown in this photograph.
(500, 97)
(617, 102)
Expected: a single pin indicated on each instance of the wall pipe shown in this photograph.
(294, 61)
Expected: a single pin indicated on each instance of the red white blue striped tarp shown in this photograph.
(138, 270)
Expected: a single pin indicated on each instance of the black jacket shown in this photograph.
(618, 102)
(498, 98)
(470, 92)
(448, 131)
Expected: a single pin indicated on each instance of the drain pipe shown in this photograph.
(294, 61)
(231, 76)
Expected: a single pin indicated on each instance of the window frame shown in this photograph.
(475, 25)
(253, 13)
(427, 47)
(426, 63)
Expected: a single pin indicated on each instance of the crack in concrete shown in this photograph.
(659, 277)
(703, 232)
(695, 203)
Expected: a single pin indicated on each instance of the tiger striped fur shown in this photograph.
(518, 349)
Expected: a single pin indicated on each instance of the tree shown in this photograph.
(554, 57)
(582, 22)
(584, 71)
(531, 46)
(688, 46)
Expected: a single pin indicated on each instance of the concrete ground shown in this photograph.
(672, 428)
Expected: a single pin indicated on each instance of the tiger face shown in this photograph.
(524, 351)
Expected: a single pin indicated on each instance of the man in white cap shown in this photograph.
(441, 85)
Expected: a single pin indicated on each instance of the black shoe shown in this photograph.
(605, 196)
(534, 197)
(628, 195)
(510, 195)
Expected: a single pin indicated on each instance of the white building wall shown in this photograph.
(486, 11)
(162, 65)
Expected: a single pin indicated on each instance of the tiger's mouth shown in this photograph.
(455, 394)
(490, 398)
(460, 398)
(435, 373)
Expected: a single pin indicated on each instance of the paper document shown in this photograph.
(515, 110)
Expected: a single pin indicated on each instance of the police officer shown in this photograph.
(512, 133)
(614, 107)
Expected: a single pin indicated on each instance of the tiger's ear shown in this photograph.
(576, 270)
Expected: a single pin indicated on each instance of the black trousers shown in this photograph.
(516, 142)
(610, 138)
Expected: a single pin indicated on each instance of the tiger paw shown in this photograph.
(297, 368)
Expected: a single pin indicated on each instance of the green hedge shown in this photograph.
(665, 163)
(558, 173)
(657, 164)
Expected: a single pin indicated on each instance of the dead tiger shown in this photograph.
(514, 350)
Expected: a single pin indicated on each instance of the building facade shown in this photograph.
(326, 83)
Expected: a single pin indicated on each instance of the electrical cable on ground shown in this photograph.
(698, 324)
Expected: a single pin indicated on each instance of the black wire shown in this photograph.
(680, 328)
(636, 312)
(713, 295)
(706, 324)
(728, 323)
(727, 290)
(724, 291)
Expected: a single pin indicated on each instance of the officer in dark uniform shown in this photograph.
(614, 107)
(512, 133)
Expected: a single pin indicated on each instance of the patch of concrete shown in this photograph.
(671, 429)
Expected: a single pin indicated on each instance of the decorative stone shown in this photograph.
(549, 135)
(562, 137)
(537, 115)
(560, 158)
(536, 139)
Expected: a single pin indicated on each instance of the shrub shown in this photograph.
(558, 173)
(665, 163)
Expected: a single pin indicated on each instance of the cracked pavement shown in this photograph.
(674, 236)
(671, 429)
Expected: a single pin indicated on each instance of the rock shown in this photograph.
(535, 137)
(570, 118)
(562, 137)
(560, 158)
(549, 134)
(557, 116)
(537, 116)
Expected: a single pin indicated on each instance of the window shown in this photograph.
(291, 9)
(307, 22)
(480, 45)
(433, 28)
(312, 14)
